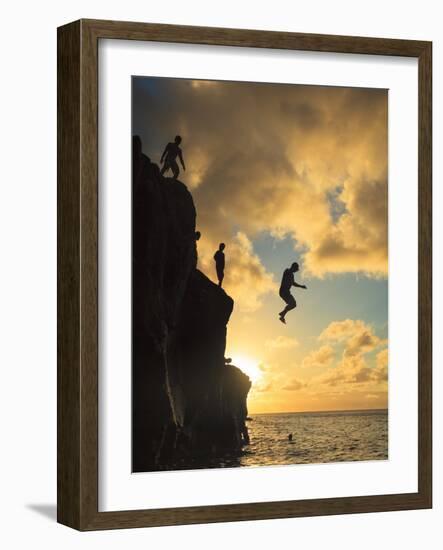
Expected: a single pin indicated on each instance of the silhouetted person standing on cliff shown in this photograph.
(219, 258)
(285, 290)
(171, 152)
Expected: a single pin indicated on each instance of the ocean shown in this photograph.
(317, 437)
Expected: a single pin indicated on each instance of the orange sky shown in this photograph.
(284, 173)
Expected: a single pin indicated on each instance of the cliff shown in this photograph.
(186, 402)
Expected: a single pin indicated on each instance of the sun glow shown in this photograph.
(249, 366)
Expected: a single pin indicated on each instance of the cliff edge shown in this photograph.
(187, 402)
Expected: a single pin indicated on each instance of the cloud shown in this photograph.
(322, 357)
(340, 330)
(263, 387)
(358, 339)
(380, 372)
(359, 336)
(363, 341)
(266, 158)
(246, 279)
(282, 342)
(294, 385)
(351, 370)
(358, 241)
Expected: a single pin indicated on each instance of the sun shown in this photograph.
(249, 366)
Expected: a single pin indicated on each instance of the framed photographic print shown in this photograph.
(244, 275)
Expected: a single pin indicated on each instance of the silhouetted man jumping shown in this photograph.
(219, 258)
(287, 282)
(171, 152)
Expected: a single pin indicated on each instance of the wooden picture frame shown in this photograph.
(78, 274)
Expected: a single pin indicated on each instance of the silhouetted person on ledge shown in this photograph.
(219, 258)
(285, 290)
(171, 152)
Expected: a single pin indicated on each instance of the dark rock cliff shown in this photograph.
(186, 401)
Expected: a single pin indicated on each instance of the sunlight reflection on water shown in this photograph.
(317, 437)
(321, 437)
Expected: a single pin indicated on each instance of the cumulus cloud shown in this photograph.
(358, 340)
(354, 370)
(321, 357)
(360, 337)
(358, 241)
(268, 158)
(351, 370)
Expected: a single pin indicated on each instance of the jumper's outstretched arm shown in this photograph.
(299, 286)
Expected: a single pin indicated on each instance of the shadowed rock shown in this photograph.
(186, 401)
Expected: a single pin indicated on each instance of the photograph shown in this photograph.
(259, 274)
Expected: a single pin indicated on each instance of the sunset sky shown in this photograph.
(285, 173)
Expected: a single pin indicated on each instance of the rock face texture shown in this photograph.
(187, 403)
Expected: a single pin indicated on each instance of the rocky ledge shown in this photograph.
(187, 402)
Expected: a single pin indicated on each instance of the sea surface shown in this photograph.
(317, 437)
(339, 436)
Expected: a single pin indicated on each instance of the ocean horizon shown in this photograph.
(326, 411)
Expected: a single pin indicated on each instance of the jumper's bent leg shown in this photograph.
(291, 304)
